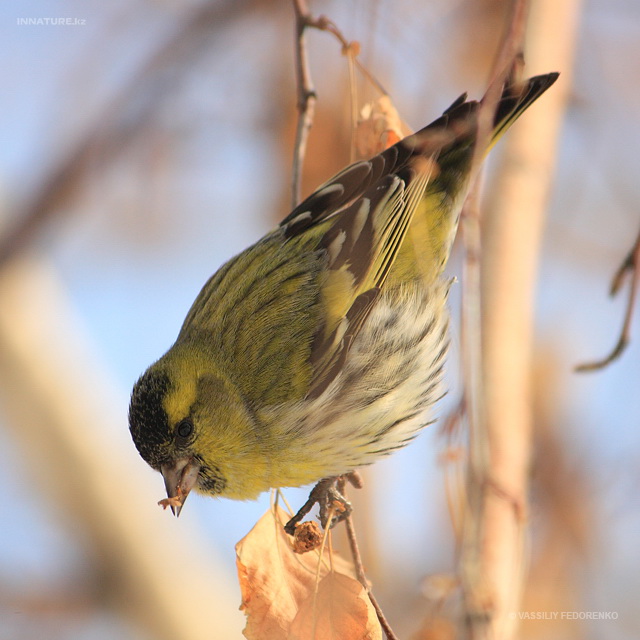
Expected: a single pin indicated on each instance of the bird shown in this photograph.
(321, 347)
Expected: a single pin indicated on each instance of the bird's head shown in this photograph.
(186, 422)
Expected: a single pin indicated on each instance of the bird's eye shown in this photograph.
(184, 429)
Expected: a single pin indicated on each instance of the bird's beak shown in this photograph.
(179, 478)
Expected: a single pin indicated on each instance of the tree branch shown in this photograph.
(306, 98)
(480, 608)
(631, 264)
(357, 561)
(511, 235)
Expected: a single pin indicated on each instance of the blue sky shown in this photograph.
(145, 233)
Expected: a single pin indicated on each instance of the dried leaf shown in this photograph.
(379, 127)
(279, 594)
(341, 611)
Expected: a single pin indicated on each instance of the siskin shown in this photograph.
(319, 348)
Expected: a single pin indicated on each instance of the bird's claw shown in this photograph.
(334, 507)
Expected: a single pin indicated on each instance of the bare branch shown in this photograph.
(360, 572)
(306, 95)
(631, 264)
(306, 98)
(146, 84)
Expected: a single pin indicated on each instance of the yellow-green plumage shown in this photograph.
(320, 347)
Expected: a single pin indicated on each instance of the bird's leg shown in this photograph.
(314, 497)
(334, 507)
(328, 494)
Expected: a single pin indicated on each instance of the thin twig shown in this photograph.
(306, 98)
(356, 481)
(362, 578)
(508, 58)
(349, 47)
(630, 264)
(306, 94)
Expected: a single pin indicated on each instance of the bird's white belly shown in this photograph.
(378, 402)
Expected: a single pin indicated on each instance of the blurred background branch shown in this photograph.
(60, 406)
(482, 614)
(511, 239)
(149, 84)
(630, 268)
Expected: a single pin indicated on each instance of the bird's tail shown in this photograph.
(451, 141)
(515, 99)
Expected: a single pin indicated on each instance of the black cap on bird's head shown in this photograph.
(148, 420)
(162, 446)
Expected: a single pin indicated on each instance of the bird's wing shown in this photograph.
(364, 212)
(360, 219)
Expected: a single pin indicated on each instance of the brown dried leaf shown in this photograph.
(279, 592)
(341, 611)
(379, 127)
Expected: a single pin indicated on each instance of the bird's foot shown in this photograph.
(328, 494)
